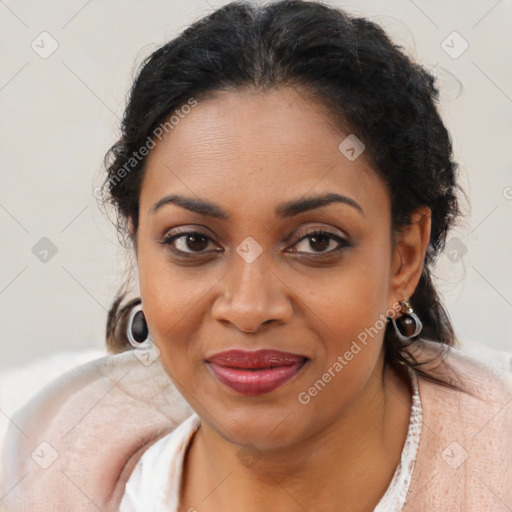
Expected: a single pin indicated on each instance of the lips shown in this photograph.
(257, 372)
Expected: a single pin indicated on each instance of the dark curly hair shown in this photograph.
(370, 87)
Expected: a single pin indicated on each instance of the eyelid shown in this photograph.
(190, 228)
(304, 232)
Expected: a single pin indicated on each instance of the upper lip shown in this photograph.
(264, 358)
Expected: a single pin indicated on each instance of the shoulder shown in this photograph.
(119, 403)
(464, 459)
(481, 401)
(474, 376)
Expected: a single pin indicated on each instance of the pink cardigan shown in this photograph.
(73, 446)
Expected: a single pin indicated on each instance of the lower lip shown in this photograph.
(255, 382)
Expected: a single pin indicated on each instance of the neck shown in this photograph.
(350, 463)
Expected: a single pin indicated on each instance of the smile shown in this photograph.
(255, 373)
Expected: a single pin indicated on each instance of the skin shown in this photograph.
(248, 152)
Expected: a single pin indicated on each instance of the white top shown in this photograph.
(154, 485)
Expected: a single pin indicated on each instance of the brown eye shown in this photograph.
(196, 242)
(188, 243)
(320, 242)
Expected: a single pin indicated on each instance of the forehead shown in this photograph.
(259, 147)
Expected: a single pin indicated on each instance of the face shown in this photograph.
(238, 263)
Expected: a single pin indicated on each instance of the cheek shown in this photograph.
(174, 309)
(348, 313)
(174, 301)
(349, 318)
(351, 297)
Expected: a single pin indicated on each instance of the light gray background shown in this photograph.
(60, 115)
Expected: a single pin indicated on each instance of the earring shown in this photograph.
(408, 325)
(137, 329)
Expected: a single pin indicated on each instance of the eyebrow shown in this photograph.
(285, 210)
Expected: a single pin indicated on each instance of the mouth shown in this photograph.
(255, 373)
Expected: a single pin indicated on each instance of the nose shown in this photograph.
(252, 296)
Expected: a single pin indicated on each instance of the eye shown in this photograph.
(321, 242)
(190, 242)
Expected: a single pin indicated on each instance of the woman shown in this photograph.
(286, 182)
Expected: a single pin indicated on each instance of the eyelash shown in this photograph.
(342, 242)
(301, 235)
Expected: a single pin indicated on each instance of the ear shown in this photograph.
(410, 247)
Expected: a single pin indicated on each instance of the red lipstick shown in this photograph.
(257, 372)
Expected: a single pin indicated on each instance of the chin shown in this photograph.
(262, 426)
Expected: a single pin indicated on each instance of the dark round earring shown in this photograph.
(408, 325)
(137, 329)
